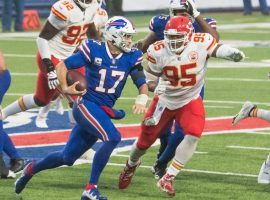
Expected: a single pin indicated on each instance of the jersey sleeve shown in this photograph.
(208, 42)
(75, 61)
(152, 58)
(100, 19)
(157, 25)
(58, 16)
(210, 21)
(85, 49)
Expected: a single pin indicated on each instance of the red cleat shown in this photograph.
(165, 184)
(126, 175)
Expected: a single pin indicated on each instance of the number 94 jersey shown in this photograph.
(73, 24)
(185, 71)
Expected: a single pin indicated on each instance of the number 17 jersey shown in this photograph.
(185, 71)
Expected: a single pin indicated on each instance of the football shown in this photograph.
(74, 76)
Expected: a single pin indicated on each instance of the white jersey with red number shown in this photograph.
(185, 71)
(73, 22)
(100, 18)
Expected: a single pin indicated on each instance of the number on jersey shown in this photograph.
(180, 76)
(103, 72)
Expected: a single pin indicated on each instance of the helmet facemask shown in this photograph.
(176, 41)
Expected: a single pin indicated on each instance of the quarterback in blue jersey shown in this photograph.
(169, 141)
(108, 64)
(6, 145)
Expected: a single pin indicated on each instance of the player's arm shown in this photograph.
(226, 52)
(54, 24)
(146, 42)
(93, 32)
(139, 80)
(73, 62)
(205, 27)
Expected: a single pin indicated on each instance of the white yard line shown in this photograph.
(195, 171)
(249, 148)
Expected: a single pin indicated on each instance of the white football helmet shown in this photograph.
(119, 30)
(87, 3)
(178, 5)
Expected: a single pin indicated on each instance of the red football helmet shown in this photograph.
(177, 33)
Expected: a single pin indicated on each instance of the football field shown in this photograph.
(228, 158)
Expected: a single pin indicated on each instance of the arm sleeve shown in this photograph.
(137, 76)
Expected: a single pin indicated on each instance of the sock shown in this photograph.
(100, 160)
(261, 113)
(173, 141)
(22, 104)
(135, 154)
(183, 154)
(9, 147)
(268, 160)
(51, 161)
(43, 111)
(5, 80)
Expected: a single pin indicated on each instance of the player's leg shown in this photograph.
(42, 96)
(148, 136)
(175, 139)
(78, 138)
(251, 110)
(91, 117)
(191, 118)
(16, 161)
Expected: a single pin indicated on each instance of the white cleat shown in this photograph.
(244, 112)
(264, 174)
(41, 122)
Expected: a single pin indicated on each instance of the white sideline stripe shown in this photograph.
(205, 101)
(249, 148)
(22, 74)
(259, 133)
(20, 55)
(238, 79)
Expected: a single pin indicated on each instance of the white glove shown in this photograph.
(161, 87)
(237, 56)
(52, 80)
(192, 9)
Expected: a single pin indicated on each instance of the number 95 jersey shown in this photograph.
(73, 23)
(185, 71)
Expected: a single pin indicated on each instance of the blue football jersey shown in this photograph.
(158, 23)
(105, 75)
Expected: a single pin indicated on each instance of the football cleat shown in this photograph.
(92, 194)
(41, 122)
(4, 171)
(264, 174)
(165, 184)
(16, 165)
(159, 169)
(126, 175)
(244, 112)
(24, 178)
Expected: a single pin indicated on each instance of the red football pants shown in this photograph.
(190, 117)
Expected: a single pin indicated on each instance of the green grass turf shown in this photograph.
(68, 183)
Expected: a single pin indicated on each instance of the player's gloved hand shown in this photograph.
(140, 104)
(192, 9)
(51, 74)
(161, 87)
(237, 55)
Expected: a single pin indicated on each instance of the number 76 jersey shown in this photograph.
(186, 71)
